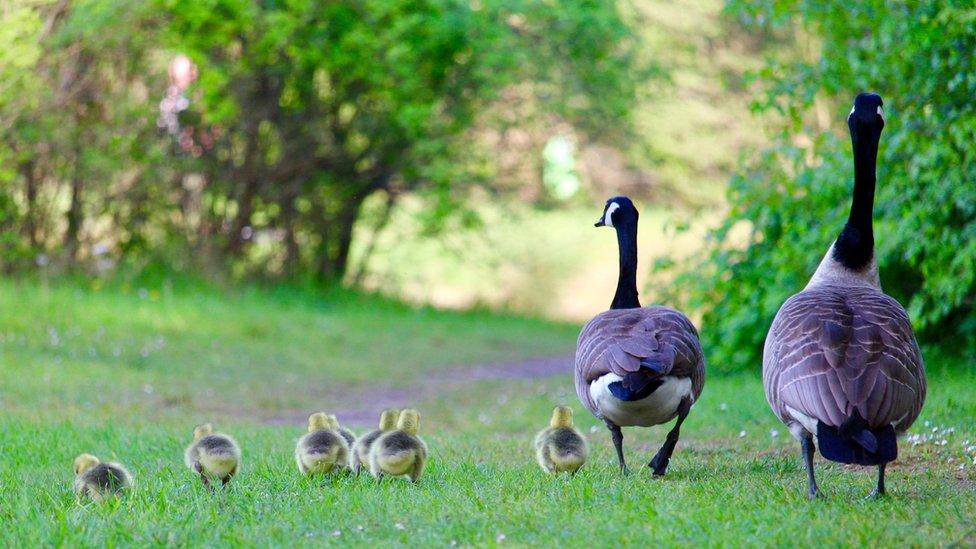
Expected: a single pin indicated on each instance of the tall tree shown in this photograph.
(322, 104)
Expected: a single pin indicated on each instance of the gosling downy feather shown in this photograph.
(401, 451)
(97, 480)
(346, 433)
(841, 362)
(212, 455)
(637, 366)
(360, 451)
(561, 447)
(323, 449)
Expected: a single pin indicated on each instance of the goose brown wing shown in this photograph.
(832, 350)
(617, 341)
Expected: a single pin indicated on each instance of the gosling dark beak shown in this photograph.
(599, 223)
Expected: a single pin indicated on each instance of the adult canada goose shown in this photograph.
(98, 480)
(323, 449)
(841, 362)
(212, 455)
(360, 451)
(637, 366)
(560, 447)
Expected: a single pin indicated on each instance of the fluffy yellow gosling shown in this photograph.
(360, 451)
(561, 448)
(97, 480)
(323, 449)
(400, 452)
(213, 456)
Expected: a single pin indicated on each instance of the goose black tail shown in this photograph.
(855, 442)
(636, 385)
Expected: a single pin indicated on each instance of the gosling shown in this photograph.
(400, 452)
(561, 448)
(323, 449)
(99, 481)
(346, 433)
(360, 451)
(213, 456)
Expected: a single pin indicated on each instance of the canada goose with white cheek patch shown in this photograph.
(637, 366)
(841, 362)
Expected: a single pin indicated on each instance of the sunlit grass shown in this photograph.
(736, 478)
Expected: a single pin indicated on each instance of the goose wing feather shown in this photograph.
(618, 340)
(832, 349)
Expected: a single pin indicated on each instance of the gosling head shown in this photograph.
(201, 431)
(85, 462)
(618, 212)
(409, 422)
(562, 416)
(320, 421)
(388, 419)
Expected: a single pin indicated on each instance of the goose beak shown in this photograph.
(599, 223)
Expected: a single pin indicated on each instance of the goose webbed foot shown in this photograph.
(618, 443)
(879, 491)
(806, 448)
(663, 457)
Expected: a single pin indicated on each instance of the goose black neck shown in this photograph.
(626, 296)
(855, 246)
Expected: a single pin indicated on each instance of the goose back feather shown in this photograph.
(835, 349)
(618, 341)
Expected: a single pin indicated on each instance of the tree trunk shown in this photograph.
(30, 190)
(250, 179)
(337, 241)
(292, 259)
(360, 273)
(74, 216)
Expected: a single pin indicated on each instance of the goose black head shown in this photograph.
(619, 211)
(867, 114)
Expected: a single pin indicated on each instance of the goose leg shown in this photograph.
(879, 491)
(806, 446)
(618, 441)
(660, 462)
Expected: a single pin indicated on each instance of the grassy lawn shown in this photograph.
(125, 374)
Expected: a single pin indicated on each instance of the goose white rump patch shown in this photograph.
(659, 407)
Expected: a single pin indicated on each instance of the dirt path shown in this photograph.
(360, 412)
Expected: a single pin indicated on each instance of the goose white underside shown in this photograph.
(659, 407)
(802, 425)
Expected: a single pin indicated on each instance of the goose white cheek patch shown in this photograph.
(607, 216)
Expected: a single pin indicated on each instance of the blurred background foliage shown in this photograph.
(456, 152)
(277, 120)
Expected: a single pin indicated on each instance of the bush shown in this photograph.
(793, 199)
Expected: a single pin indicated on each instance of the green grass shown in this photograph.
(228, 357)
